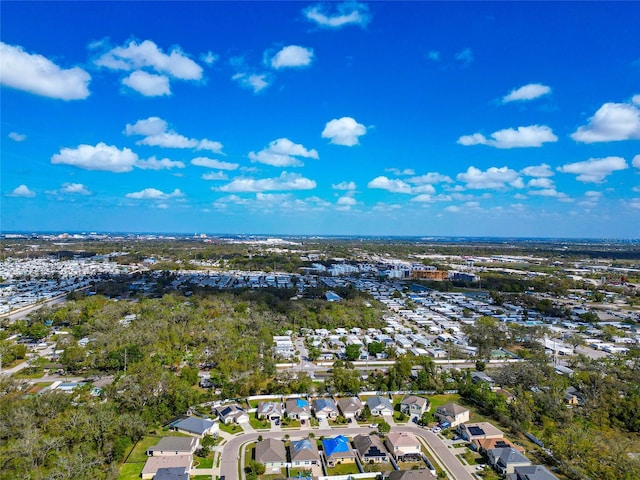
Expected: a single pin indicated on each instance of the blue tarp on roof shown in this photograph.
(339, 444)
(300, 403)
(302, 445)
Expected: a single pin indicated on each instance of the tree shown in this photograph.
(486, 334)
(384, 427)
(375, 348)
(352, 352)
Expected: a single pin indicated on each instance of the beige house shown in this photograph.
(404, 446)
(452, 413)
(479, 431)
(153, 464)
(271, 453)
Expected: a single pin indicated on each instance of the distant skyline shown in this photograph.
(502, 119)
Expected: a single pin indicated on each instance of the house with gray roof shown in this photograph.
(350, 407)
(413, 405)
(269, 410)
(370, 449)
(304, 453)
(196, 426)
(175, 473)
(325, 408)
(153, 464)
(531, 472)
(452, 413)
(505, 460)
(232, 414)
(174, 446)
(380, 406)
(271, 453)
(298, 409)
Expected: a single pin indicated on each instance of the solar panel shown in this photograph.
(475, 431)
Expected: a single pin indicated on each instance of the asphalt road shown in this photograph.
(231, 450)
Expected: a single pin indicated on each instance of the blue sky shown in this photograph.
(381, 118)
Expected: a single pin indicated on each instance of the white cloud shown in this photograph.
(347, 201)
(593, 194)
(344, 186)
(21, 191)
(543, 182)
(452, 208)
(542, 170)
(152, 163)
(157, 134)
(148, 84)
(102, 157)
(391, 185)
(519, 196)
(292, 56)
(286, 181)
(283, 153)
(215, 176)
(255, 82)
(636, 161)
(531, 136)
(17, 137)
(347, 13)
(37, 74)
(344, 131)
(423, 198)
(465, 57)
(548, 192)
(213, 163)
(492, 178)
(398, 172)
(209, 58)
(527, 92)
(430, 178)
(434, 55)
(594, 170)
(134, 56)
(154, 194)
(75, 188)
(612, 121)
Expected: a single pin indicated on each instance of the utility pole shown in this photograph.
(125, 361)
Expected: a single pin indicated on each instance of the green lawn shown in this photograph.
(439, 400)
(138, 453)
(203, 462)
(131, 471)
(231, 428)
(201, 477)
(411, 465)
(293, 472)
(259, 424)
(343, 469)
(378, 467)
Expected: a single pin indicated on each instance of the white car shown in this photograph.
(373, 425)
(436, 429)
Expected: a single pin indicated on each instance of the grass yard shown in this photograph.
(138, 452)
(411, 465)
(201, 477)
(203, 462)
(439, 400)
(259, 424)
(131, 471)
(378, 467)
(231, 428)
(343, 469)
(294, 472)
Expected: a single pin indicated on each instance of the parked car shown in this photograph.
(436, 429)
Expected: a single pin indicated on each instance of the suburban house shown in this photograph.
(479, 377)
(176, 473)
(505, 460)
(174, 446)
(380, 406)
(370, 449)
(572, 396)
(269, 410)
(196, 426)
(412, 405)
(483, 445)
(298, 409)
(452, 413)
(350, 407)
(404, 446)
(153, 464)
(479, 431)
(325, 408)
(232, 414)
(531, 472)
(421, 474)
(304, 453)
(271, 453)
(338, 450)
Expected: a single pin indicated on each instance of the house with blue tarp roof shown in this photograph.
(298, 409)
(304, 453)
(338, 450)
